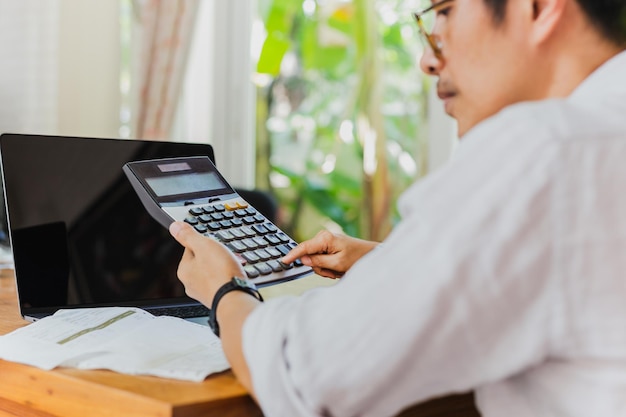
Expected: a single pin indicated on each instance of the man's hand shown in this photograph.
(329, 254)
(206, 264)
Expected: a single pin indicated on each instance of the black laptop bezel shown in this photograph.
(150, 150)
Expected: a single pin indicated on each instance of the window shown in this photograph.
(342, 112)
(279, 88)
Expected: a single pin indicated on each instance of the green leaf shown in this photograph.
(272, 53)
(325, 203)
(316, 56)
(393, 42)
(281, 16)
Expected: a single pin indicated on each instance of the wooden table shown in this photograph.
(27, 391)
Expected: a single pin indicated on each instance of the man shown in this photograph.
(506, 275)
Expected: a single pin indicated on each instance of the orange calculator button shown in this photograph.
(231, 205)
(235, 205)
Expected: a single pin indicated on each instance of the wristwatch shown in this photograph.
(235, 284)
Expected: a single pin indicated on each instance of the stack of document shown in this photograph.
(122, 339)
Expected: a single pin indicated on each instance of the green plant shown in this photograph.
(340, 113)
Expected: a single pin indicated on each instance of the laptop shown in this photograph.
(80, 236)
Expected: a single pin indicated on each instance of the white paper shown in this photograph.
(123, 339)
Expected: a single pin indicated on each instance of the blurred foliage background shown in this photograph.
(341, 112)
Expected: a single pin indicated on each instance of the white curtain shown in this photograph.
(28, 70)
(165, 31)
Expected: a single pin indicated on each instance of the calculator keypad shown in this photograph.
(257, 242)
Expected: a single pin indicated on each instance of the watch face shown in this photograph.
(243, 283)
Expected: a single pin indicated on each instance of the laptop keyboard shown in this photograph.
(181, 312)
(257, 242)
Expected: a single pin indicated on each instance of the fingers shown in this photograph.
(295, 253)
(185, 234)
(319, 244)
(329, 263)
(328, 273)
(184, 265)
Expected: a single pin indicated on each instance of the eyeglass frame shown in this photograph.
(434, 44)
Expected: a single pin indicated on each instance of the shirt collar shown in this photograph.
(606, 79)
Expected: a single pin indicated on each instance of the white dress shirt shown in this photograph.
(507, 276)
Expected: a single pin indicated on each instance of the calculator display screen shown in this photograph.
(184, 184)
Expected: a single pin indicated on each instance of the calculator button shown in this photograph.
(205, 218)
(262, 254)
(285, 266)
(260, 242)
(275, 265)
(249, 220)
(260, 229)
(251, 271)
(240, 213)
(236, 222)
(196, 211)
(251, 211)
(226, 223)
(236, 246)
(208, 209)
(238, 233)
(259, 218)
(236, 205)
(271, 227)
(283, 237)
(217, 216)
(250, 257)
(251, 244)
(248, 231)
(242, 261)
(191, 220)
(283, 249)
(274, 253)
(213, 226)
(225, 236)
(263, 268)
(200, 228)
(219, 207)
(272, 239)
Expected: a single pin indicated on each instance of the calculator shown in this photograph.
(191, 189)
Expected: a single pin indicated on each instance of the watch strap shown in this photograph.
(235, 284)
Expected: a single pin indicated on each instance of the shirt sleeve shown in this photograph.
(459, 295)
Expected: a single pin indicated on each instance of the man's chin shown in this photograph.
(448, 106)
(462, 127)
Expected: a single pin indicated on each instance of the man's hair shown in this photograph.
(607, 16)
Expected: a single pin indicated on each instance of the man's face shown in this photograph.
(485, 65)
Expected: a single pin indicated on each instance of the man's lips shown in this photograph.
(446, 91)
(445, 94)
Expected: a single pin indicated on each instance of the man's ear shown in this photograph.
(546, 16)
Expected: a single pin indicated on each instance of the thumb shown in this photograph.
(184, 234)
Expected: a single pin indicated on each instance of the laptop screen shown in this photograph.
(79, 234)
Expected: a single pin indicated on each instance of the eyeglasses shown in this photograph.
(434, 43)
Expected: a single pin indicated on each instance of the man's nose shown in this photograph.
(429, 63)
